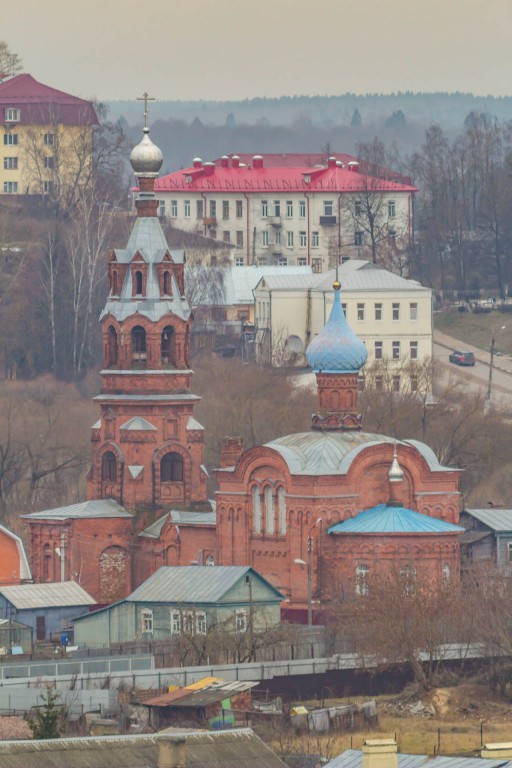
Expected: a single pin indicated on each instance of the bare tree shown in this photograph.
(10, 62)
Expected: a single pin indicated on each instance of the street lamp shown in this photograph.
(491, 364)
(299, 561)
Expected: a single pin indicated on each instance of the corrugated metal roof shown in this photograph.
(496, 519)
(62, 593)
(355, 275)
(138, 424)
(186, 697)
(181, 517)
(237, 748)
(85, 509)
(193, 584)
(353, 758)
(471, 537)
(393, 519)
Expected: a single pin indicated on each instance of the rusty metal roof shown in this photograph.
(185, 697)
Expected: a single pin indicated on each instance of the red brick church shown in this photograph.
(334, 503)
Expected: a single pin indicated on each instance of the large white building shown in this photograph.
(391, 315)
(303, 216)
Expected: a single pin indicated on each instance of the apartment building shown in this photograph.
(46, 143)
(291, 215)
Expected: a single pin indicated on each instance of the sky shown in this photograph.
(237, 49)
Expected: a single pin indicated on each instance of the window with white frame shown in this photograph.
(358, 238)
(328, 208)
(289, 239)
(391, 209)
(316, 266)
(378, 350)
(188, 623)
(12, 115)
(10, 163)
(11, 187)
(302, 209)
(277, 238)
(256, 508)
(362, 580)
(413, 310)
(186, 205)
(357, 208)
(302, 261)
(282, 262)
(241, 623)
(201, 623)
(146, 620)
(48, 187)
(161, 208)
(289, 209)
(213, 209)
(413, 346)
(239, 206)
(239, 261)
(174, 209)
(264, 209)
(303, 239)
(199, 209)
(378, 311)
(395, 311)
(315, 240)
(277, 207)
(226, 236)
(270, 516)
(10, 139)
(360, 311)
(225, 209)
(446, 573)
(264, 239)
(414, 383)
(281, 505)
(395, 346)
(175, 623)
(240, 238)
(49, 139)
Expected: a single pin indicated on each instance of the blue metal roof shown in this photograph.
(336, 349)
(353, 758)
(393, 519)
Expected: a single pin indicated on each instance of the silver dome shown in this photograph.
(146, 157)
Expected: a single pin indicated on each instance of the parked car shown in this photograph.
(462, 358)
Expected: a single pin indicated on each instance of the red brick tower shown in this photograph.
(147, 446)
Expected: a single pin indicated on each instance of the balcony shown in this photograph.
(275, 221)
(210, 221)
(327, 221)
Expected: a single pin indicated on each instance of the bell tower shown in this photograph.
(147, 446)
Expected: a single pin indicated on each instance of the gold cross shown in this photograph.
(145, 98)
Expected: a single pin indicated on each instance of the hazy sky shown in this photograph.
(233, 49)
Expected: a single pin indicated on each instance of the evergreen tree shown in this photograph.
(45, 722)
(357, 120)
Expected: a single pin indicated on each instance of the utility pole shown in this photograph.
(491, 365)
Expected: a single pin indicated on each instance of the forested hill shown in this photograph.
(448, 109)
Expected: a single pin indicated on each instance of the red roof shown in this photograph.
(41, 105)
(290, 159)
(212, 178)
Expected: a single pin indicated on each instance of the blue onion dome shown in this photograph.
(146, 157)
(336, 349)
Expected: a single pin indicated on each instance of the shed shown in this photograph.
(46, 608)
(190, 600)
(488, 537)
(15, 637)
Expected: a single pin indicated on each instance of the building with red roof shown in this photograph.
(47, 138)
(291, 214)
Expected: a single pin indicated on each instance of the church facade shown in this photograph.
(313, 513)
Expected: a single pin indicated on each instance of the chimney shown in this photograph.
(257, 161)
(197, 162)
(380, 753)
(224, 161)
(331, 162)
(232, 449)
(209, 169)
(171, 752)
(353, 166)
(497, 751)
(235, 161)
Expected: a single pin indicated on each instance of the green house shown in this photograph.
(185, 600)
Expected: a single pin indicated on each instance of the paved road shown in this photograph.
(477, 377)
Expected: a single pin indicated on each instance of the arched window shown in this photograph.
(281, 505)
(114, 284)
(446, 574)
(209, 560)
(256, 510)
(112, 346)
(362, 583)
(138, 339)
(270, 524)
(167, 284)
(408, 579)
(171, 468)
(47, 563)
(109, 467)
(138, 283)
(167, 345)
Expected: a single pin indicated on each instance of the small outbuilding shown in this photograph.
(15, 637)
(187, 600)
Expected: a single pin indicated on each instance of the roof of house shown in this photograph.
(200, 697)
(353, 758)
(25, 573)
(387, 518)
(193, 584)
(332, 453)
(53, 595)
(181, 517)
(237, 748)
(325, 180)
(82, 510)
(40, 104)
(499, 520)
